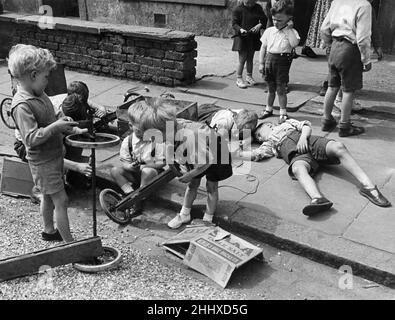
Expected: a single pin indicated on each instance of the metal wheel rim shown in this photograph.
(108, 200)
(6, 113)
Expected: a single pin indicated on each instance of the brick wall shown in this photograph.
(140, 53)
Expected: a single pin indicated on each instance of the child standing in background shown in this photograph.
(248, 19)
(275, 56)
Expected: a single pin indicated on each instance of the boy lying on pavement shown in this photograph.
(305, 153)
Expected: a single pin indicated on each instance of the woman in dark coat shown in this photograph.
(247, 20)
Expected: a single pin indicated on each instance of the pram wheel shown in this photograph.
(5, 109)
(108, 200)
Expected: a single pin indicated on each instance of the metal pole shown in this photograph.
(93, 164)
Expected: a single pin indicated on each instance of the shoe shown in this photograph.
(250, 81)
(178, 221)
(283, 118)
(378, 200)
(328, 124)
(317, 205)
(241, 84)
(265, 114)
(51, 236)
(348, 129)
(307, 51)
(323, 89)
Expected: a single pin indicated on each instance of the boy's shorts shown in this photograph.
(48, 177)
(315, 157)
(277, 68)
(345, 66)
(219, 171)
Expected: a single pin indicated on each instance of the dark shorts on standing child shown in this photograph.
(277, 68)
(345, 66)
(220, 170)
(48, 176)
(287, 150)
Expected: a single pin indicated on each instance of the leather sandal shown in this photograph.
(317, 205)
(265, 114)
(350, 130)
(328, 124)
(378, 200)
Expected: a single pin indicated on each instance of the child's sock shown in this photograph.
(185, 211)
(269, 109)
(208, 217)
(127, 188)
(283, 112)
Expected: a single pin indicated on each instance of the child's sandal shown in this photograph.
(265, 114)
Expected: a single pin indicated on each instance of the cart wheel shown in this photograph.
(110, 259)
(5, 109)
(108, 200)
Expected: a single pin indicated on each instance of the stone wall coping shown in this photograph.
(92, 27)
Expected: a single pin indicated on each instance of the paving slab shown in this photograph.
(226, 89)
(373, 264)
(370, 146)
(375, 226)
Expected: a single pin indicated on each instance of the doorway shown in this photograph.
(63, 8)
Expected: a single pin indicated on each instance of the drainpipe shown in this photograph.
(86, 10)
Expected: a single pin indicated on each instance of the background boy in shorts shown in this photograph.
(347, 28)
(275, 57)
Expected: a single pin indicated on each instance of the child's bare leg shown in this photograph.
(339, 150)
(62, 220)
(347, 102)
(329, 101)
(147, 174)
(124, 179)
(250, 62)
(270, 100)
(46, 210)
(212, 200)
(191, 193)
(242, 61)
(301, 171)
(282, 101)
(185, 214)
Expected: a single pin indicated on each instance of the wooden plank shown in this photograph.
(31, 263)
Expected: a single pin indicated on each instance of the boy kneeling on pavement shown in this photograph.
(305, 153)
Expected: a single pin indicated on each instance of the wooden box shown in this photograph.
(16, 178)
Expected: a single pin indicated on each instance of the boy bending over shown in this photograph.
(194, 145)
(293, 142)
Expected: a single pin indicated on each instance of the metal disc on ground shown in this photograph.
(110, 259)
